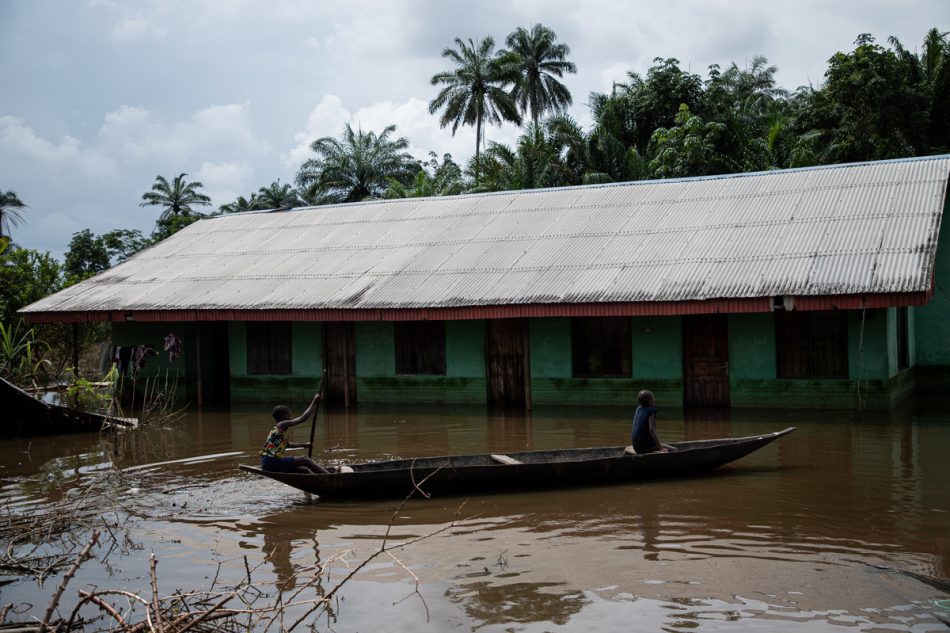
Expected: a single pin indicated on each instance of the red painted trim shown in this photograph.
(657, 308)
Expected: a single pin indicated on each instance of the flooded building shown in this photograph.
(816, 287)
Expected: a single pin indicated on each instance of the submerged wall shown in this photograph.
(656, 364)
(463, 382)
(874, 380)
(296, 387)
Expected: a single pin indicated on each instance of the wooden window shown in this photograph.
(811, 344)
(269, 348)
(903, 339)
(420, 347)
(600, 346)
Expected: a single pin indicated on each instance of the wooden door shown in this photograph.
(705, 361)
(339, 342)
(507, 365)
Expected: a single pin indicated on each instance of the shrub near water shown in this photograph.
(21, 355)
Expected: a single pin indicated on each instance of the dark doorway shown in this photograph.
(339, 341)
(705, 361)
(507, 365)
(212, 365)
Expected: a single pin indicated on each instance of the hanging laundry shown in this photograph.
(174, 346)
(140, 356)
(121, 355)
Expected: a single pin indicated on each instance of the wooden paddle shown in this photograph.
(313, 427)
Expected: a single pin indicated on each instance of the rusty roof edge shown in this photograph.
(744, 305)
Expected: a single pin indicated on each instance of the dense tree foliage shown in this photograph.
(434, 179)
(26, 275)
(86, 256)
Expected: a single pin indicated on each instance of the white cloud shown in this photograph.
(136, 29)
(224, 182)
(616, 73)
(326, 119)
(99, 183)
(215, 132)
(18, 138)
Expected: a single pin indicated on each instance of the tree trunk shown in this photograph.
(478, 143)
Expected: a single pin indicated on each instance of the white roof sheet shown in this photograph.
(849, 229)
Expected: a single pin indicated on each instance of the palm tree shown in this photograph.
(177, 198)
(356, 167)
(10, 215)
(276, 196)
(240, 205)
(473, 92)
(537, 59)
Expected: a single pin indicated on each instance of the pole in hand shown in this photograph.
(313, 427)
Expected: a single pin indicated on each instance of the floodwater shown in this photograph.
(805, 535)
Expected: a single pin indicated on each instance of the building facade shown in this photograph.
(822, 287)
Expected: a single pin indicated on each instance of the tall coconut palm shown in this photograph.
(10, 215)
(356, 167)
(177, 198)
(473, 93)
(537, 58)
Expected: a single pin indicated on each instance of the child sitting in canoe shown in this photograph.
(272, 455)
(643, 436)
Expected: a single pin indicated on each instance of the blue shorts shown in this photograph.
(277, 464)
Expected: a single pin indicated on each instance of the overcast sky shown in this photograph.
(100, 96)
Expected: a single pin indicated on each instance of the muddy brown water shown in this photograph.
(791, 538)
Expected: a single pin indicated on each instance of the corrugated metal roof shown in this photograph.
(859, 229)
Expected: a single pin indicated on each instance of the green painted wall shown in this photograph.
(752, 366)
(463, 382)
(869, 356)
(297, 387)
(932, 321)
(657, 360)
(751, 348)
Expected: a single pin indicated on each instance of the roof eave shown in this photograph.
(462, 313)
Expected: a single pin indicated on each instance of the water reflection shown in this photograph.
(517, 602)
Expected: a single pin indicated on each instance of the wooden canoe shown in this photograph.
(458, 474)
(24, 415)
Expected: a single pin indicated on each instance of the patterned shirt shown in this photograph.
(276, 443)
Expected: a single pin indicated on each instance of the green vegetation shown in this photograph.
(10, 214)
(21, 355)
